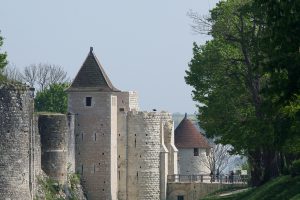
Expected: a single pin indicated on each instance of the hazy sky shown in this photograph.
(143, 45)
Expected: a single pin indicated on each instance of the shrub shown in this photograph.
(295, 168)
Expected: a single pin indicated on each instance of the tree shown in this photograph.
(43, 75)
(52, 99)
(227, 77)
(3, 61)
(218, 158)
(11, 72)
(282, 46)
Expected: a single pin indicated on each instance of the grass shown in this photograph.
(281, 188)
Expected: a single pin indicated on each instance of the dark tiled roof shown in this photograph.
(92, 75)
(187, 136)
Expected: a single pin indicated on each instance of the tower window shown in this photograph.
(180, 197)
(196, 152)
(88, 101)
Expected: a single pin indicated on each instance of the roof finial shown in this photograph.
(91, 49)
(185, 116)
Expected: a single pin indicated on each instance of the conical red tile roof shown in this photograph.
(187, 136)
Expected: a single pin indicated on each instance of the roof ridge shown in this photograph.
(92, 75)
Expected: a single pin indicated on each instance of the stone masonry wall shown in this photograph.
(53, 130)
(16, 104)
(133, 101)
(143, 181)
(168, 126)
(194, 190)
(123, 101)
(71, 142)
(93, 145)
(190, 164)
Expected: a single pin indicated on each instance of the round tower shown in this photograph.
(53, 130)
(143, 155)
(192, 149)
(16, 106)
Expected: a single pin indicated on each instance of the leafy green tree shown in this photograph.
(282, 46)
(227, 77)
(53, 99)
(3, 61)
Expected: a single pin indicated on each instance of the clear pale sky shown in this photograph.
(143, 45)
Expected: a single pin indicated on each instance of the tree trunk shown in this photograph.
(255, 159)
(271, 164)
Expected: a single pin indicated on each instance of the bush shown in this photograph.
(295, 168)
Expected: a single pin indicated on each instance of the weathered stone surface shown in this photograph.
(190, 164)
(53, 130)
(96, 143)
(15, 135)
(194, 190)
(143, 155)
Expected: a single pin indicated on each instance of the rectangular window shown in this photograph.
(88, 101)
(180, 197)
(196, 152)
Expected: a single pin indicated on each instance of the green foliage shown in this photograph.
(53, 99)
(281, 188)
(3, 61)
(295, 168)
(52, 189)
(247, 81)
(225, 76)
(73, 182)
(55, 191)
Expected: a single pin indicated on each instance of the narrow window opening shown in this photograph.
(88, 101)
(137, 175)
(81, 169)
(81, 136)
(181, 197)
(119, 175)
(102, 153)
(135, 143)
(95, 136)
(196, 152)
(122, 109)
(94, 169)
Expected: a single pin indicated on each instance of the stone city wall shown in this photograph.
(194, 190)
(16, 106)
(93, 143)
(143, 181)
(53, 130)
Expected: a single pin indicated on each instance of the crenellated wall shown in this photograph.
(16, 106)
(53, 130)
(143, 181)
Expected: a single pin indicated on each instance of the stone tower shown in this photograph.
(16, 136)
(92, 99)
(192, 149)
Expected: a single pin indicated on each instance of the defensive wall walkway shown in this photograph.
(194, 187)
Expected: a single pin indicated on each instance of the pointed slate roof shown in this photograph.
(187, 136)
(92, 76)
